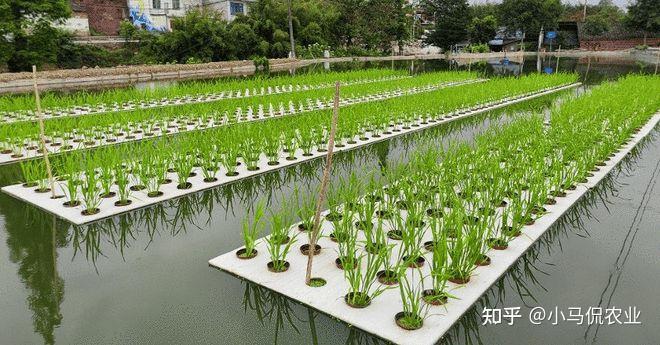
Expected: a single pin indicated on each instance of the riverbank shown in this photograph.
(128, 75)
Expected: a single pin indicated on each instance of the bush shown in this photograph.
(313, 51)
(478, 48)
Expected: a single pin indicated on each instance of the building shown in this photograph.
(157, 14)
(506, 41)
(230, 8)
(96, 17)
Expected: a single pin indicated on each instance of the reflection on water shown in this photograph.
(33, 243)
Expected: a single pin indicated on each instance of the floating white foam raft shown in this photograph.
(378, 318)
(140, 198)
(83, 144)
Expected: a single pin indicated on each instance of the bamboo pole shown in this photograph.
(324, 187)
(42, 137)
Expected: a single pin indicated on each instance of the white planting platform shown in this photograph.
(95, 143)
(140, 198)
(378, 318)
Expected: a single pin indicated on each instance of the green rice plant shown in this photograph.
(184, 170)
(439, 266)
(31, 172)
(210, 168)
(389, 275)
(251, 151)
(272, 149)
(278, 252)
(305, 209)
(122, 180)
(343, 228)
(290, 145)
(345, 235)
(362, 278)
(333, 199)
(90, 193)
(106, 179)
(350, 191)
(280, 223)
(306, 142)
(414, 310)
(251, 230)
(375, 237)
(465, 249)
(366, 212)
(230, 160)
(411, 242)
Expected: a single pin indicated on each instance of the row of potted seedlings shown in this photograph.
(219, 152)
(21, 108)
(92, 131)
(425, 226)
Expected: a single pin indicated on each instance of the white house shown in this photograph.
(157, 14)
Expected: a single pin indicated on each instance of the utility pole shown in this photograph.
(293, 43)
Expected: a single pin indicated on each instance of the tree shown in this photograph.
(24, 28)
(530, 15)
(199, 35)
(452, 18)
(244, 42)
(644, 15)
(483, 29)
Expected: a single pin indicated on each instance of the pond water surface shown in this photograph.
(143, 277)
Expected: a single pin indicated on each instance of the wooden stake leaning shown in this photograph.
(42, 137)
(324, 187)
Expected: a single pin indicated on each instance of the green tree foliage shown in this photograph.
(452, 18)
(370, 24)
(644, 15)
(26, 34)
(601, 18)
(530, 15)
(483, 29)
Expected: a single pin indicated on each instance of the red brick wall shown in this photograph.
(105, 15)
(617, 44)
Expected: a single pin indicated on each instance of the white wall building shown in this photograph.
(157, 14)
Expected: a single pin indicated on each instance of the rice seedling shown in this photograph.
(362, 278)
(414, 310)
(278, 252)
(345, 235)
(122, 180)
(183, 166)
(280, 222)
(439, 266)
(90, 194)
(251, 230)
(31, 172)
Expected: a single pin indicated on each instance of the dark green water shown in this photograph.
(143, 277)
